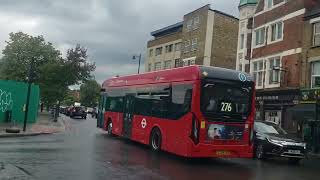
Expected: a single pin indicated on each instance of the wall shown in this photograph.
(199, 33)
(13, 97)
(245, 28)
(163, 42)
(224, 41)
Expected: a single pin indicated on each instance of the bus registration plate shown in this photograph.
(223, 153)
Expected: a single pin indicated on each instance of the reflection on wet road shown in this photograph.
(84, 152)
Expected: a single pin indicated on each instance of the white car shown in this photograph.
(89, 110)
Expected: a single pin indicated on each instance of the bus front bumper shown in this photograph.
(221, 151)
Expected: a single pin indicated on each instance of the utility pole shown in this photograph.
(30, 78)
(136, 56)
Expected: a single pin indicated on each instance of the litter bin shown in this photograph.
(8, 116)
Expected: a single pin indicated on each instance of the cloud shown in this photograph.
(112, 30)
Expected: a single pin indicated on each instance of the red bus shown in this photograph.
(193, 111)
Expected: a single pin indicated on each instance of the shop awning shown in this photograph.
(303, 112)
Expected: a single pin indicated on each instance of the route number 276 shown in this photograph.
(226, 107)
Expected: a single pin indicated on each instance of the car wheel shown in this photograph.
(294, 160)
(260, 152)
(155, 140)
(109, 128)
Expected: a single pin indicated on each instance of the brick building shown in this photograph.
(271, 46)
(307, 112)
(204, 37)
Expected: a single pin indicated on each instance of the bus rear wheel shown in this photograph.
(155, 140)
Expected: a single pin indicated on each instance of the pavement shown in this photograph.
(84, 152)
(44, 125)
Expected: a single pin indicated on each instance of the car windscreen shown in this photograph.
(268, 128)
(226, 98)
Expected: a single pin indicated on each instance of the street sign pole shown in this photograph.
(26, 110)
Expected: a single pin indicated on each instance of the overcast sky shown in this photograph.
(112, 30)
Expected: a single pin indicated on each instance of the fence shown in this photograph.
(13, 97)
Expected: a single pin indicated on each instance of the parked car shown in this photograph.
(271, 140)
(78, 111)
(63, 109)
(68, 110)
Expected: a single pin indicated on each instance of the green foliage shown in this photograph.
(68, 100)
(20, 50)
(53, 73)
(77, 66)
(89, 93)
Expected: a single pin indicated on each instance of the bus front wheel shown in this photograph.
(155, 140)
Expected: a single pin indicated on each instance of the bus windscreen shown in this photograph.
(226, 99)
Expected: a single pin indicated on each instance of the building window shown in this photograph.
(158, 51)
(260, 36)
(196, 22)
(274, 70)
(247, 68)
(194, 44)
(315, 74)
(177, 63)
(186, 46)
(241, 41)
(150, 52)
(169, 48)
(268, 4)
(276, 31)
(177, 47)
(167, 64)
(316, 34)
(157, 66)
(189, 62)
(189, 25)
(258, 71)
(149, 67)
(273, 116)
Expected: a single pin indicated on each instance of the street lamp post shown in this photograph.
(136, 56)
(30, 78)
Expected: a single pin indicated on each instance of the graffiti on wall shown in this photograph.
(6, 101)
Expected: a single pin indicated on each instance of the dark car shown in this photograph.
(63, 109)
(68, 110)
(78, 112)
(272, 140)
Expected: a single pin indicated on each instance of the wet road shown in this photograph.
(84, 152)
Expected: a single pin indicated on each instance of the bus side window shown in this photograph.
(181, 100)
(143, 105)
(114, 104)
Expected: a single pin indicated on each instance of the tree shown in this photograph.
(77, 66)
(53, 73)
(89, 93)
(20, 50)
(69, 99)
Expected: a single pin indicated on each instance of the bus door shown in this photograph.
(128, 115)
(101, 109)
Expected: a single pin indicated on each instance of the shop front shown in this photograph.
(307, 115)
(272, 105)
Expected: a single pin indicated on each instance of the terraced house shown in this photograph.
(277, 44)
(204, 37)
